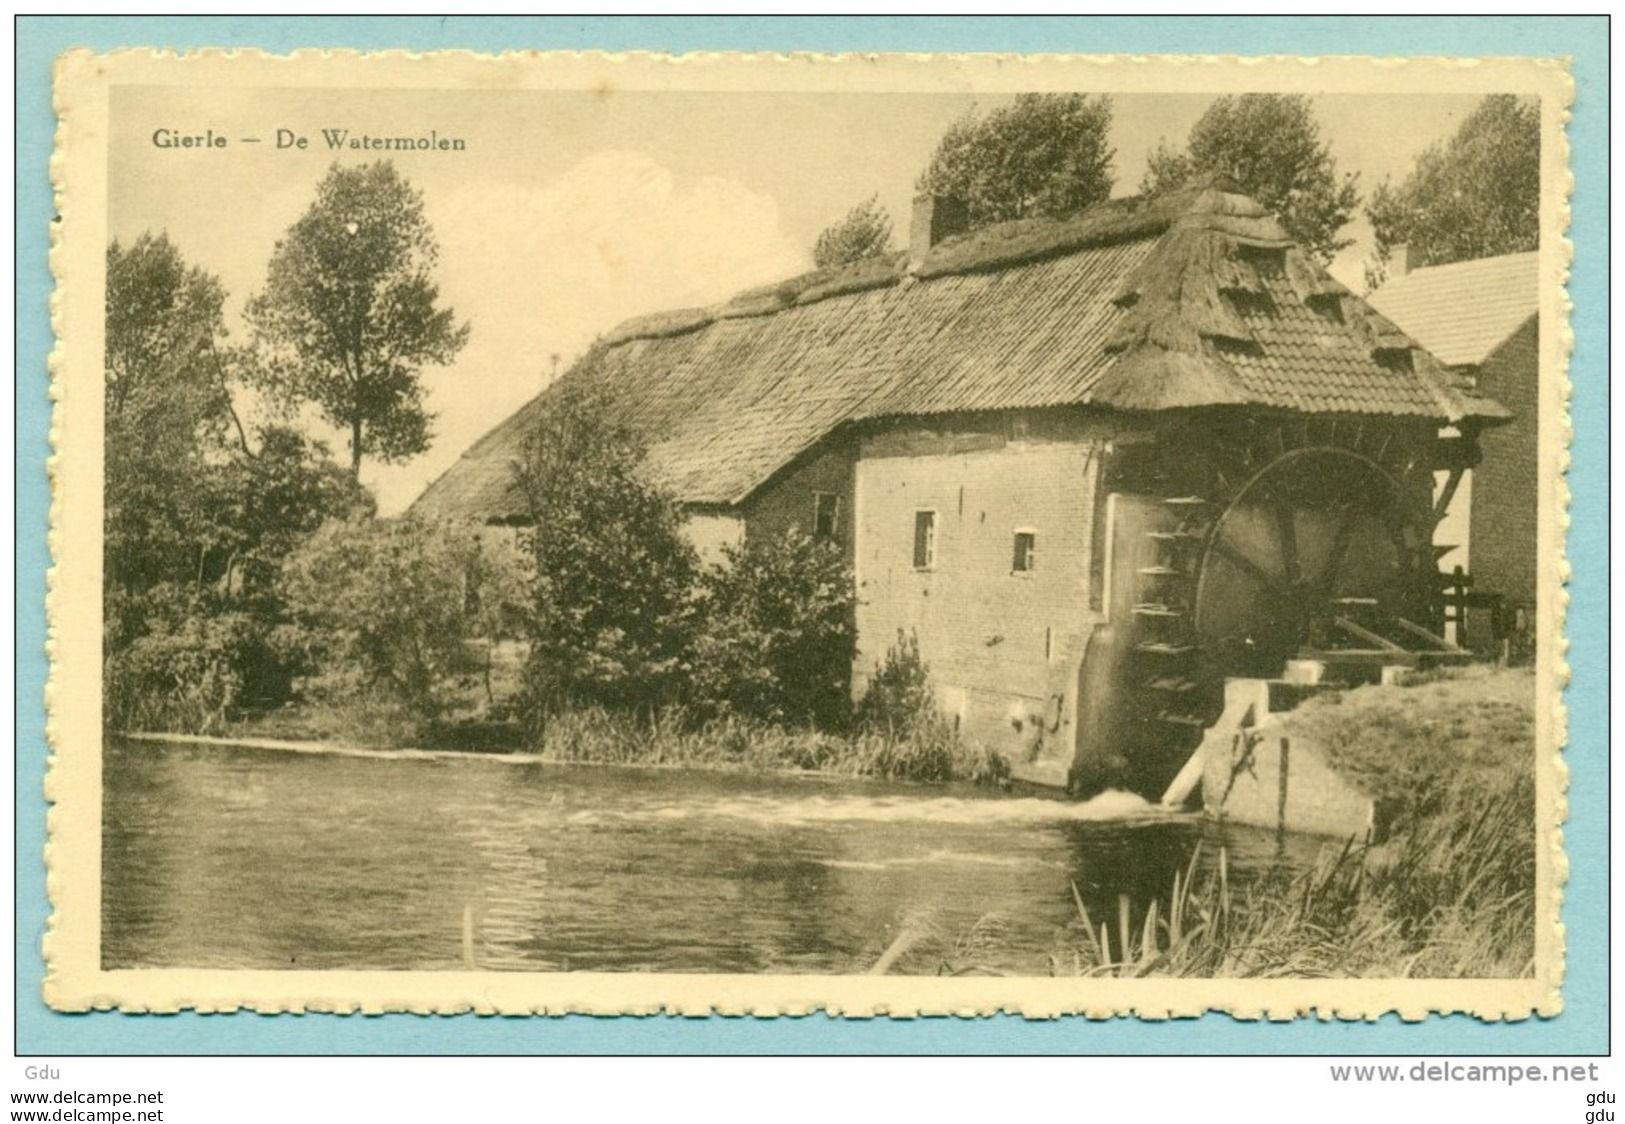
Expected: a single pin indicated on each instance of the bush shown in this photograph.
(864, 233)
(903, 732)
(382, 607)
(777, 634)
(176, 662)
(899, 697)
(612, 608)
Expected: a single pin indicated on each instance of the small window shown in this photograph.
(1025, 554)
(826, 515)
(925, 539)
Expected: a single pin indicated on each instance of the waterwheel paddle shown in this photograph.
(1259, 549)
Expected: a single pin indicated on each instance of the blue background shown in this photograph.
(1582, 1028)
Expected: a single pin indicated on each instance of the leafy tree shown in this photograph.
(1042, 154)
(778, 634)
(266, 503)
(382, 605)
(168, 410)
(865, 232)
(164, 325)
(191, 641)
(1476, 195)
(349, 314)
(614, 576)
(197, 519)
(1269, 146)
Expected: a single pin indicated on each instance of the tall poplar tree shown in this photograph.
(349, 315)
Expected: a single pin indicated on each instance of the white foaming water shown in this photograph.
(942, 857)
(779, 809)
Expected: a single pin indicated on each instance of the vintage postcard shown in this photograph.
(887, 535)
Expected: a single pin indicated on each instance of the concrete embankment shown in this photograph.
(1255, 771)
(1350, 761)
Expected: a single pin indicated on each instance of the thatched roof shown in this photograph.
(1193, 299)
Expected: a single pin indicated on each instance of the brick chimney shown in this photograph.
(1402, 258)
(935, 217)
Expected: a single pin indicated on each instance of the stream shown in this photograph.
(234, 857)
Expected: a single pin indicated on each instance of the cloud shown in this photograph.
(541, 271)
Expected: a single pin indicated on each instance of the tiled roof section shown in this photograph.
(1307, 360)
(1461, 312)
(1209, 309)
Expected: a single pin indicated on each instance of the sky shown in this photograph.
(567, 212)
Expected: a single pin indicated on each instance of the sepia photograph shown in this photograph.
(1024, 530)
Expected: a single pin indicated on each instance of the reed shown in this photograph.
(1454, 899)
(672, 737)
(1450, 893)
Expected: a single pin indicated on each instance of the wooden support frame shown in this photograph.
(1442, 505)
(1363, 633)
(1416, 630)
(1375, 657)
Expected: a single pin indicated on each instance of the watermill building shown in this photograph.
(1095, 464)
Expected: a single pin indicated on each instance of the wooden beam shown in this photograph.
(1367, 635)
(1375, 657)
(1421, 633)
(1456, 452)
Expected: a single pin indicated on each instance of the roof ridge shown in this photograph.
(1425, 273)
(1218, 310)
(995, 246)
(1486, 260)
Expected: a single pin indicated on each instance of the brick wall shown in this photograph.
(1003, 647)
(784, 502)
(787, 500)
(1504, 497)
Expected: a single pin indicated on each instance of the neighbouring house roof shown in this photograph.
(1193, 299)
(1463, 311)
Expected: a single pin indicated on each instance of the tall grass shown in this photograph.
(1450, 893)
(1452, 899)
(672, 737)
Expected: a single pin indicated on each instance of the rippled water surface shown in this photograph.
(239, 857)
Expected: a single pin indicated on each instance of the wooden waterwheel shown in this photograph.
(1237, 550)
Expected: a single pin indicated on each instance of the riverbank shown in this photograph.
(1450, 893)
(668, 740)
(1450, 761)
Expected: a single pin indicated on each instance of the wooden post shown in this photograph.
(468, 936)
(906, 938)
(1148, 938)
(1458, 593)
(1123, 952)
(1285, 768)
